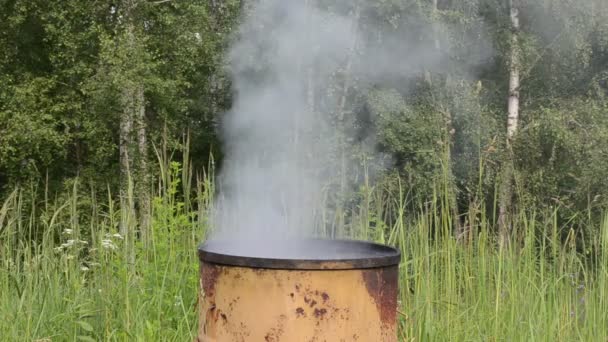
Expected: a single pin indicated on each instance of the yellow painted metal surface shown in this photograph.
(247, 304)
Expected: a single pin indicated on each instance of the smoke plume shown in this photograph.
(293, 66)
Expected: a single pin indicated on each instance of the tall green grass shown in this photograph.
(68, 274)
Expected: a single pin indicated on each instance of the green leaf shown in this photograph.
(86, 338)
(85, 326)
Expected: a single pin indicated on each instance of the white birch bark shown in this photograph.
(506, 193)
(143, 186)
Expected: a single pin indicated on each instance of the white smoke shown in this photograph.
(275, 142)
(288, 68)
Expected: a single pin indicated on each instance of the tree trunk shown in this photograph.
(126, 143)
(435, 30)
(143, 186)
(126, 130)
(133, 144)
(506, 192)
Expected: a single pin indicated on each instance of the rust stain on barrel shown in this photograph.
(382, 286)
(209, 275)
(319, 313)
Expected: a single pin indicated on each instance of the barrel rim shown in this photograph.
(384, 256)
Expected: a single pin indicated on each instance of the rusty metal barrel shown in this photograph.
(298, 290)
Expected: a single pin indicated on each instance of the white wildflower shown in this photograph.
(178, 300)
(118, 236)
(68, 231)
(70, 257)
(71, 242)
(84, 268)
(108, 244)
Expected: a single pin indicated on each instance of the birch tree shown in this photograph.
(130, 69)
(506, 192)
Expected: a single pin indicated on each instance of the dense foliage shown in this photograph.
(64, 68)
(70, 76)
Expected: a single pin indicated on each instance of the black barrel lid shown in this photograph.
(312, 254)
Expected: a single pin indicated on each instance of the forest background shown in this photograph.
(486, 166)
